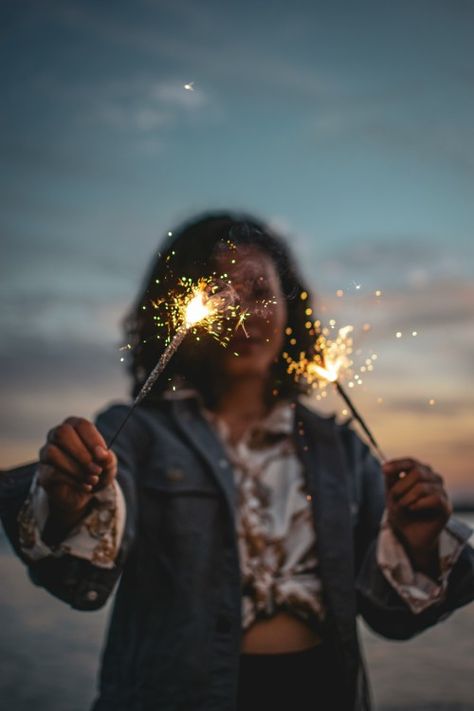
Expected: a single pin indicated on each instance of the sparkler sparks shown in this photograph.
(210, 304)
(206, 305)
(332, 357)
(332, 360)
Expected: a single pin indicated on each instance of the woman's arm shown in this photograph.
(74, 576)
(379, 600)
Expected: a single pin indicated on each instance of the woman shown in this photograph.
(249, 531)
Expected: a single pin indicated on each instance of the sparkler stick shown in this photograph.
(198, 309)
(359, 419)
(331, 375)
(152, 378)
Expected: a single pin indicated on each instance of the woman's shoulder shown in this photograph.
(306, 411)
(329, 425)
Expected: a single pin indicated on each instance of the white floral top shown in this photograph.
(276, 536)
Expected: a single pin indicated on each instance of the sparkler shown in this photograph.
(359, 419)
(331, 359)
(205, 305)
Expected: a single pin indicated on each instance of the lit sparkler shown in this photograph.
(331, 360)
(207, 306)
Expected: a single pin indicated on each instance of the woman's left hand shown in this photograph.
(418, 508)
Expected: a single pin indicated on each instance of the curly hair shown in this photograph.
(190, 251)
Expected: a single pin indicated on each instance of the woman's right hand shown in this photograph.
(74, 464)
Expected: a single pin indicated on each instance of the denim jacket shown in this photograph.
(175, 632)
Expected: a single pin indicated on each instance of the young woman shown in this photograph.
(248, 531)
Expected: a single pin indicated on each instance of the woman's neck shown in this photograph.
(243, 402)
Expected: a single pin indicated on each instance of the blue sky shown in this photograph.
(349, 125)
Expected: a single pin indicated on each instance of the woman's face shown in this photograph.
(254, 277)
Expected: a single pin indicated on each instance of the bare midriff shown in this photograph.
(278, 635)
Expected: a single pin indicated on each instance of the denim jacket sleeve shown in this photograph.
(75, 580)
(380, 604)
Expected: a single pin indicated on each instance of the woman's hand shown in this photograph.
(418, 508)
(74, 464)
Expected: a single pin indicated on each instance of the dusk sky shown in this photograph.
(350, 126)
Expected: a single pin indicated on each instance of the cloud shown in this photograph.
(140, 118)
(138, 102)
(396, 264)
(210, 41)
(35, 363)
(411, 117)
(442, 407)
(147, 105)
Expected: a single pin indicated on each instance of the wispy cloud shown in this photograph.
(207, 40)
(411, 117)
(147, 106)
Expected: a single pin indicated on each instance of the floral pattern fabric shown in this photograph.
(96, 538)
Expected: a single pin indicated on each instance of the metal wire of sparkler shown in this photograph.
(357, 416)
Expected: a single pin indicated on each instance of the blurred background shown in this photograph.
(349, 127)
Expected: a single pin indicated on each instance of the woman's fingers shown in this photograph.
(417, 491)
(413, 479)
(67, 438)
(78, 451)
(88, 433)
(108, 462)
(395, 467)
(433, 502)
(414, 472)
(55, 457)
(50, 476)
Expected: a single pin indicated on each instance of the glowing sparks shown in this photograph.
(206, 305)
(330, 361)
(203, 305)
(332, 358)
(196, 310)
(210, 305)
(241, 324)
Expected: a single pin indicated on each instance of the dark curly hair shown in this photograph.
(189, 251)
